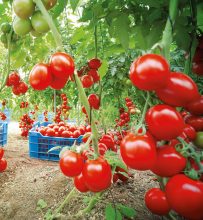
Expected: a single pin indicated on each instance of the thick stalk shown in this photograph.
(8, 60)
(66, 200)
(90, 206)
(48, 18)
(168, 31)
(85, 102)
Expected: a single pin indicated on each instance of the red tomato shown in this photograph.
(23, 87)
(108, 141)
(88, 128)
(156, 202)
(79, 183)
(84, 110)
(195, 121)
(102, 148)
(76, 134)
(50, 132)
(3, 165)
(71, 163)
(94, 74)
(138, 152)
(149, 72)
(196, 107)
(190, 132)
(115, 178)
(14, 79)
(87, 81)
(122, 177)
(1, 152)
(58, 83)
(197, 68)
(42, 131)
(185, 196)
(94, 101)
(40, 77)
(169, 162)
(179, 91)
(164, 122)
(94, 63)
(66, 134)
(198, 55)
(97, 174)
(62, 65)
(16, 90)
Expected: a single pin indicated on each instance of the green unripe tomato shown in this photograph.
(4, 39)
(36, 34)
(39, 24)
(23, 8)
(128, 82)
(199, 139)
(22, 26)
(5, 27)
(49, 3)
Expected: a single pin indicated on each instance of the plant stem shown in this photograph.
(48, 18)
(85, 102)
(168, 31)
(8, 60)
(95, 40)
(90, 206)
(70, 195)
(143, 113)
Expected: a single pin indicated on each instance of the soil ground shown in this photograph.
(27, 180)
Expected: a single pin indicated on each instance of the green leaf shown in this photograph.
(110, 213)
(54, 148)
(74, 4)
(104, 68)
(200, 16)
(58, 9)
(121, 29)
(127, 211)
(41, 204)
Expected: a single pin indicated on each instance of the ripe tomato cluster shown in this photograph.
(146, 151)
(55, 74)
(18, 86)
(62, 112)
(2, 116)
(25, 124)
(62, 129)
(3, 162)
(24, 104)
(23, 24)
(89, 175)
(197, 65)
(89, 73)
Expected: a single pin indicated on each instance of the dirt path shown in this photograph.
(27, 180)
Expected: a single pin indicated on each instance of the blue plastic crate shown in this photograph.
(3, 133)
(39, 145)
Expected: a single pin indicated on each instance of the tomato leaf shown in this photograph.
(127, 211)
(54, 148)
(110, 212)
(104, 68)
(58, 9)
(41, 204)
(74, 4)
